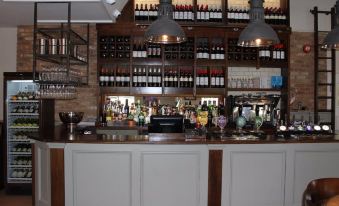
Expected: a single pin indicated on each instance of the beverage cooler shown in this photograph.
(24, 116)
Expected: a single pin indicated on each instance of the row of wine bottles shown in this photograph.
(143, 51)
(217, 51)
(208, 13)
(21, 173)
(22, 160)
(215, 80)
(152, 77)
(272, 15)
(22, 148)
(26, 109)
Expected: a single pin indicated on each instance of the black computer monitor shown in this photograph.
(166, 124)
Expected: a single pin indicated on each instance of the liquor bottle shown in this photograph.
(186, 82)
(199, 51)
(207, 14)
(144, 77)
(207, 82)
(217, 79)
(181, 79)
(282, 52)
(101, 78)
(206, 54)
(191, 13)
(153, 13)
(144, 51)
(142, 12)
(202, 13)
(135, 51)
(146, 13)
(118, 78)
(211, 14)
(135, 77)
(158, 51)
(149, 50)
(181, 13)
(137, 12)
(198, 13)
(159, 77)
(190, 80)
(111, 78)
(176, 12)
(197, 79)
(126, 108)
(186, 13)
(150, 78)
(166, 79)
(127, 78)
(213, 79)
(175, 79)
(219, 15)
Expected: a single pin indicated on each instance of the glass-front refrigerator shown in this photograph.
(22, 120)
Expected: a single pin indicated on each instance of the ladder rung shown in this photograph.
(325, 84)
(325, 110)
(325, 71)
(325, 97)
(320, 31)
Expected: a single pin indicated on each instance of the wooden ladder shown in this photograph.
(324, 73)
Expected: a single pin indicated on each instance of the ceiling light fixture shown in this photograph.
(165, 30)
(257, 33)
(331, 41)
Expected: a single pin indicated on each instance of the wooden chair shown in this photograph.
(333, 201)
(319, 191)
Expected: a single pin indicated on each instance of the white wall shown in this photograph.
(302, 19)
(8, 41)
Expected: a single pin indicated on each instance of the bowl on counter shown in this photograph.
(71, 119)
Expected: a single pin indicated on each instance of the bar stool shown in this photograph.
(318, 191)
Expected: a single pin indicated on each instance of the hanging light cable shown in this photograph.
(165, 30)
(257, 33)
(331, 41)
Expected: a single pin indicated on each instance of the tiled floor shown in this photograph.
(14, 200)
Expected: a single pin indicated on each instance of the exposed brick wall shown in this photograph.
(301, 72)
(87, 96)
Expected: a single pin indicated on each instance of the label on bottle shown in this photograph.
(282, 55)
(198, 15)
(213, 81)
(176, 15)
(185, 17)
(222, 81)
(181, 15)
(198, 80)
(207, 15)
(159, 79)
(137, 13)
(206, 81)
(267, 53)
(274, 54)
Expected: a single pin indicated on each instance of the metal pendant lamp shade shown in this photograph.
(331, 41)
(257, 33)
(165, 30)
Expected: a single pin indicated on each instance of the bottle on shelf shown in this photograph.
(135, 77)
(136, 12)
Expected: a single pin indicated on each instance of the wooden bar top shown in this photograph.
(61, 134)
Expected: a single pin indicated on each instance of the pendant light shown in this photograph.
(165, 30)
(331, 41)
(257, 33)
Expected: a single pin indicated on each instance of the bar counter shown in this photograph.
(62, 135)
(176, 169)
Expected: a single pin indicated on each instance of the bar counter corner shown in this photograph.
(169, 169)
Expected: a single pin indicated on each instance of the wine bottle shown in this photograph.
(137, 12)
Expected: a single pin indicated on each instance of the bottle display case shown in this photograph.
(24, 117)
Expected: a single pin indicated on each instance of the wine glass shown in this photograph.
(222, 121)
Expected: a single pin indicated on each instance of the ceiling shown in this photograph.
(14, 13)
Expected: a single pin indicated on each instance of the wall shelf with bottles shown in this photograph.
(211, 55)
(65, 45)
(212, 12)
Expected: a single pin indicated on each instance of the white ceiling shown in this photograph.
(14, 13)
